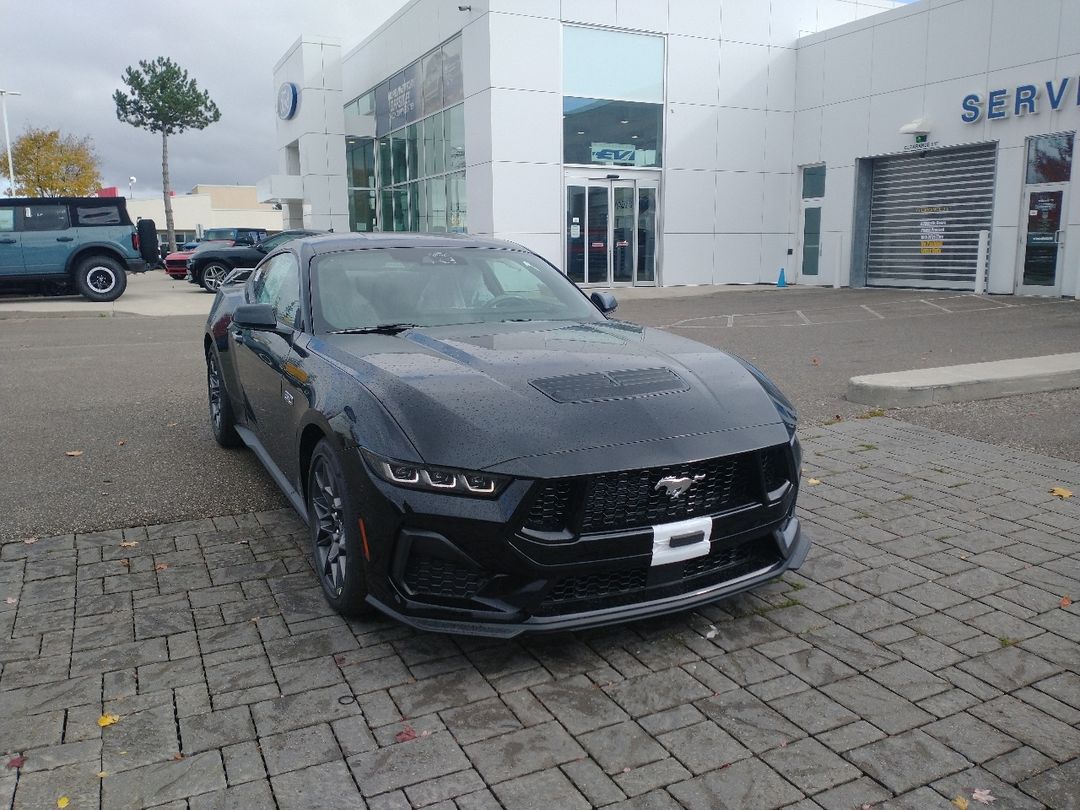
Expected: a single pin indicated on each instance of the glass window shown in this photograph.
(456, 209)
(612, 64)
(7, 219)
(432, 89)
(453, 86)
(813, 182)
(612, 133)
(386, 210)
(360, 160)
(1049, 158)
(437, 203)
(401, 208)
(362, 210)
(382, 109)
(44, 218)
(385, 176)
(360, 116)
(279, 286)
(411, 145)
(97, 215)
(399, 157)
(454, 119)
(440, 286)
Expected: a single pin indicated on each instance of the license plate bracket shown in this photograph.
(684, 540)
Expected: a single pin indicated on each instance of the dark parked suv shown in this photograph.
(88, 242)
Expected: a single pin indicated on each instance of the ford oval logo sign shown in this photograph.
(288, 98)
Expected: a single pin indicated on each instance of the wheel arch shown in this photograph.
(86, 251)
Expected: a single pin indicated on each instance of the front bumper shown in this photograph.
(484, 567)
(798, 544)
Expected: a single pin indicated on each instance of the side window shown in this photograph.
(279, 285)
(7, 219)
(97, 215)
(44, 218)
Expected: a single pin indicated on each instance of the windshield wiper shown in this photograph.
(380, 329)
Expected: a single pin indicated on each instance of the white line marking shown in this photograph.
(875, 314)
(935, 306)
(804, 318)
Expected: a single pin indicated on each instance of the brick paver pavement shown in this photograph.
(921, 654)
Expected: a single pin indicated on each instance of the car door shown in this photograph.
(11, 262)
(47, 238)
(261, 354)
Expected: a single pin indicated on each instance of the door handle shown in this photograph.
(7, 241)
(65, 239)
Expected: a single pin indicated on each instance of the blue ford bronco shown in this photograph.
(87, 242)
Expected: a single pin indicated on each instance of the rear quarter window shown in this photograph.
(97, 215)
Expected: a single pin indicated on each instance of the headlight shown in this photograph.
(435, 479)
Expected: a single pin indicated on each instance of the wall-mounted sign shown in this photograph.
(618, 153)
(931, 236)
(1026, 99)
(288, 98)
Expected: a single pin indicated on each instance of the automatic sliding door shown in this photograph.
(647, 197)
(597, 268)
(623, 239)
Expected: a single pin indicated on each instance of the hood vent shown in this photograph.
(607, 385)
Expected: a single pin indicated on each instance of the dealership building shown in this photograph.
(689, 142)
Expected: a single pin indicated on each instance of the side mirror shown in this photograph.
(255, 316)
(604, 301)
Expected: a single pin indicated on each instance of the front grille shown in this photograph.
(628, 586)
(630, 499)
(435, 576)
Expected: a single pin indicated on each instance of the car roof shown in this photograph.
(333, 242)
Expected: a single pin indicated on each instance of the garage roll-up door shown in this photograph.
(926, 211)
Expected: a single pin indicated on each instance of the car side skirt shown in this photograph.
(297, 502)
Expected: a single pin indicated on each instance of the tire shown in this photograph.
(222, 419)
(334, 527)
(100, 278)
(212, 274)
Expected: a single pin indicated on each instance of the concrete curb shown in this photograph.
(934, 386)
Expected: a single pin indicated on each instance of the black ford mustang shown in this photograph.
(477, 448)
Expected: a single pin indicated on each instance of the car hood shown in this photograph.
(531, 396)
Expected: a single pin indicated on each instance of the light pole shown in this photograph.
(131, 182)
(7, 138)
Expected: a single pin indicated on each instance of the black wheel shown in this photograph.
(211, 276)
(335, 534)
(222, 422)
(100, 278)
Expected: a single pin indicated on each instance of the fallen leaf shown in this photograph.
(339, 659)
(108, 720)
(121, 443)
(129, 544)
(961, 802)
(101, 774)
(406, 734)
(177, 756)
(11, 600)
(982, 795)
(815, 361)
(626, 770)
(812, 482)
(1065, 601)
(63, 802)
(74, 453)
(170, 424)
(125, 562)
(711, 633)
(1061, 492)
(161, 566)
(30, 540)
(16, 762)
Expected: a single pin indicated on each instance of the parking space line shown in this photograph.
(805, 320)
(872, 312)
(936, 306)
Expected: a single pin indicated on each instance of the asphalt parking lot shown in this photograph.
(924, 657)
(127, 390)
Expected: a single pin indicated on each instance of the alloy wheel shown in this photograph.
(213, 275)
(101, 279)
(213, 390)
(330, 553)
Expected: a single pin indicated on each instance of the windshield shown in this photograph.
(276, 240)
(219, 234)
(360, 289)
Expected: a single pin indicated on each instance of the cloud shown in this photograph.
(67, 57)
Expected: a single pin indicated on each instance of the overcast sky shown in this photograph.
(66, 58)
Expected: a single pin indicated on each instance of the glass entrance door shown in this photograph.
(1043, 242)
(611, 231)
